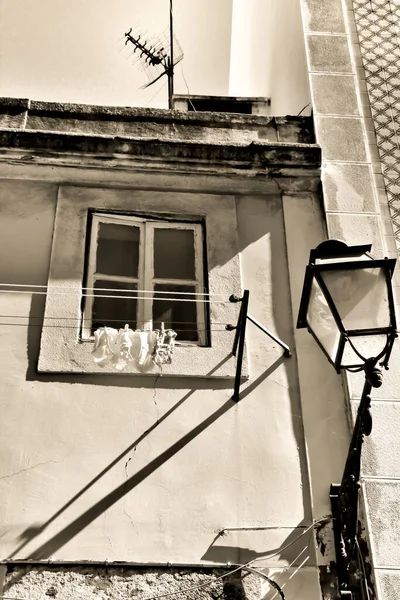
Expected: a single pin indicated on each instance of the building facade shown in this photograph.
(153, 481)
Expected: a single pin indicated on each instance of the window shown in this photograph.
(148, 241)
(143, 272)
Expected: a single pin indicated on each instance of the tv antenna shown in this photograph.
(158, 57)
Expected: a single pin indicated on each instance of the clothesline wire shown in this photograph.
(120, 297)
(23, 285)
(77, 319)
(75, 327)
(250, 562)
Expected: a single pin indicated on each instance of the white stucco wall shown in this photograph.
(268, 54)
(80, 478)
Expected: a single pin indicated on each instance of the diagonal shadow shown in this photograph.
(33, 531)
(262, 377)
(70, 531)
(81, 522)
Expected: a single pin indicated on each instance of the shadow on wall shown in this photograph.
(259, 217)
(254, 229)
(70, 531)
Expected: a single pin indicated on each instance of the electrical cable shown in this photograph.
(270, 581)
(250, 562)
(361, 560)
(231, 572)
(187, 87)
(304, 108)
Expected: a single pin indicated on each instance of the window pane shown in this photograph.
(174, 253)
(179, 316)
(118, 250)
(114, 312)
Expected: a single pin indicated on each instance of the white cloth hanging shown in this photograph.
(122, 347)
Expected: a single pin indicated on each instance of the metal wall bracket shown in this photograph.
(238, 343)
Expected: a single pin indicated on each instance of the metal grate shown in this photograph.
(378, 28)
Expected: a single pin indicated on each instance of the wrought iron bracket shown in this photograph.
(240, 333)
(344, 496)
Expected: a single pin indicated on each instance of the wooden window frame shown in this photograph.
(62, 349)
(146, 280)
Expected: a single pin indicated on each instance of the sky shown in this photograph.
(73, 50)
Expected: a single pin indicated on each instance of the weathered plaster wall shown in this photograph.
(357, 208)
(145, 123)
(267, 55)
(147, 470)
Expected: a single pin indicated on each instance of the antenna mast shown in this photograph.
(158, 57)
(171, 58)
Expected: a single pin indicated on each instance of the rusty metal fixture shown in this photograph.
(240, 333)
(347, 305)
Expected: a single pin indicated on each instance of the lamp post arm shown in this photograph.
(344, 497)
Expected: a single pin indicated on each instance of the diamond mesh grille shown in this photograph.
(378, 28)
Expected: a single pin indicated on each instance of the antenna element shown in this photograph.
(158, 58)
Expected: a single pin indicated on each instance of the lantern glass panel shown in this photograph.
(322, 322)
(368, 346)
(360, 297)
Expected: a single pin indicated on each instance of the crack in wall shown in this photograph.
(126, 480)
(154, 398)
(46, 462)
(105, 532)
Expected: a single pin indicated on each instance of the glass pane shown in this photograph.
(367, 345)
(179, 316)
(118, 250)
(360, 296)
(174, 254)
(321, 321)
(114, 312)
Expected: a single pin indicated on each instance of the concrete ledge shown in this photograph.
(262, 155)
(7, 103)
(116, 582)
(147, 122)
(13, 112)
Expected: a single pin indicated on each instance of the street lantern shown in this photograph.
(347, 305)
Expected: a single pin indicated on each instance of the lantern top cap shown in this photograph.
(337, 249)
